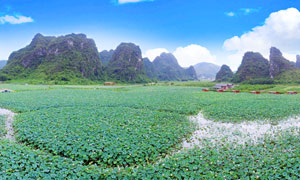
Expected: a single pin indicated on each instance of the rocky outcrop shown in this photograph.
(126, 64)
(278, 64)
(149, 68)
(253, 66)
(167, 69)
(225, 74)
(190, 73)
(56, 58)
(106, 56)
(298, 61)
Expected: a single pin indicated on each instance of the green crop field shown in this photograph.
(78, 132)
(2, 126)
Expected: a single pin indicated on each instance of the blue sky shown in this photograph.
(193, 29)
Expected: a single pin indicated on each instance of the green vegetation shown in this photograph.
(225, 74)
(262, 81)
(248, 87)
(166, 68)
(106, 136)
(278, 64)
(286, 88)
(126, 64)
(78, 132)
(20, 162)
(74, 81)
(292, 76)
(69, 58)
(253, 66)
(2, 126)
(106, 56)
(189, 83)
(268, 87)
(74, 59)
(271, 160)
(255, 69)
(248, 107)
(4, 77)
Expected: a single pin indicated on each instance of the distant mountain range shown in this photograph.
(74, 58)
(206, 71)
(256, 69)
(2, 63)
(166, 68)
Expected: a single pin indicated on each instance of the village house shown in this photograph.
(109, 83)
(223, 86)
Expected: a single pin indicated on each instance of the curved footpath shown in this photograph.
(8, 123)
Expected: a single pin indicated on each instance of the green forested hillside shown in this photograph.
(225, 74)
(166, 68)
(253, 66)
(126, 64)
(62, 58)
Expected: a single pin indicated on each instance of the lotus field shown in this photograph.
(156, 132)
(2, 126)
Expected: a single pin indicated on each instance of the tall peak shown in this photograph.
(275, 52)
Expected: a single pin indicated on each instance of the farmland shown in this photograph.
(2, 126)
(137, 133)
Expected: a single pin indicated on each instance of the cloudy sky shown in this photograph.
(194, 30)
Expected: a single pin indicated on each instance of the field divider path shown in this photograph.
(8, 123)
(252, 132)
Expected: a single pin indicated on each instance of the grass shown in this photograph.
(248, 88)
(188, 83)
(285, 88)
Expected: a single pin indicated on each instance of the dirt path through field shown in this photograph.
(253, 132)
(8, 123)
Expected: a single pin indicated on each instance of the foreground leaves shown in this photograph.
(103, 136)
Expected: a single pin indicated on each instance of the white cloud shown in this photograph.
(186, 56)
(230, 14)
(17, 19)
(281, 29)
(242, 11)
(130, 1)
(247, 11)
(193, 54)
(153, 53)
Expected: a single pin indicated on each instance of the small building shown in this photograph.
(109, 83)
(292, 92)
(223, 86)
